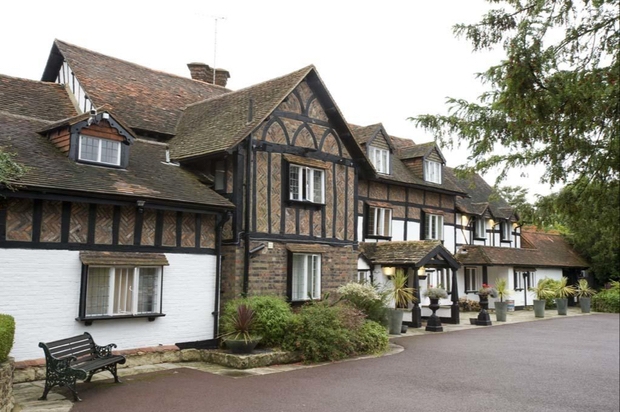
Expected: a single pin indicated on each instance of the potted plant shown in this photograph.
(240, 333)
(501, 307)
(434, 294)
(484, 293)
(402, 295)
(584, 292)
(562, 292)
(542, 291)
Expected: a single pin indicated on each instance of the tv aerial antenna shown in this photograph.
(215, 19)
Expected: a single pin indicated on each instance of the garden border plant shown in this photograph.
(7, 335)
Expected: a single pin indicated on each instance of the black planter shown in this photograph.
(483, 316)
(434, 323)
(242, 346)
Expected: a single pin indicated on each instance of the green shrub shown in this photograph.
(553, 285)
(272, 317)
(371, 338)
(607, 300)
(7, 335)
(320, 332)
(467, 305)
(367, 298)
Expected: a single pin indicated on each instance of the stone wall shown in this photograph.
(6, 386)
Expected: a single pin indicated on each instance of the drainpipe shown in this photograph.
(219, 225)
(248, 194)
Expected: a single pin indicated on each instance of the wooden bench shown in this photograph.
(75, 358)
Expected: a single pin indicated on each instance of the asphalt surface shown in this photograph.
(566, 364)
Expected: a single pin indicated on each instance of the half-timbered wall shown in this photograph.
(55, 224)
(299, 132)
(408, 206)
(465, 233)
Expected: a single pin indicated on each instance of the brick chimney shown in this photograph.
(204, 73)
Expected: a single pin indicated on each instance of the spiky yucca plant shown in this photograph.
(584, 290)
(542, 290)
(564, 290)
(400, 292)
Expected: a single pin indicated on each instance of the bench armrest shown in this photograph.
(104, 351)
(60, 365)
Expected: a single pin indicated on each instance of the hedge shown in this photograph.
(7, 334)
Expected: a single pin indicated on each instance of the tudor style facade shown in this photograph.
(138, 215)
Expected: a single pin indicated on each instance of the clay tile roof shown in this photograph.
(481, 197)
(410, 252)
(401, 142)
(419, 150)
(42, 100)
(363, 134)
(548, 250)
(146, 177)
(222, 122)
(148, 99)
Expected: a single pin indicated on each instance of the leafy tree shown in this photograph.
(10, 171)
(553, 101)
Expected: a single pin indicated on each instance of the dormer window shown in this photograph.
(380, 159)
(432, 171)
(97, 150)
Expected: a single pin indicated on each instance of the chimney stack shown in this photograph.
(204, 73)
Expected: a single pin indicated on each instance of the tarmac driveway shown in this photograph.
(566, 364)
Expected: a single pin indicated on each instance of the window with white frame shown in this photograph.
(306, 184)
(220, 175)
(380, 159)
(433, 227)
(121, 291)
(524, 279)
(95, 149)
(439, 278)
(379, 221)
(480, 228)
(432, 171)
(506, 230)
(306, 277)
(473, 281)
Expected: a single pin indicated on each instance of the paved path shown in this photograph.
(555, 364)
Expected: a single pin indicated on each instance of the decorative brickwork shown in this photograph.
(397, 193)
(262, 179)
(317, 226)
(188, 230)
(416, 196)
(103, 227)
(304, 222)
(377, 190)
(290, 223)
(330, 144)
(78, 223)
(290, 104)
(51, 221)
(303, 138)
(148, 227)
(414, 213)
(276, 192)
(340, 201)
(305, 93)
(329, 202)
(169, 229)
(126, 227)
(398, 212)
(432, 199)
(448, 218)
(350, 212)
(275, 134)
(207, 231)
(315, 110)
(447, 201)
(19, 220)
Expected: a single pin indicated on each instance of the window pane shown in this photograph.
(98, 291)
(89, 148)
(293, 183)
(110, 151)
(299, 264)
(123, 290)
(147, 290)
(315, 281)
(318, 186)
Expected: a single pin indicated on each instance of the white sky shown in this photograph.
(381, 61)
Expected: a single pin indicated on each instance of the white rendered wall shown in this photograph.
(413, 231)
(448, 238)
(41, 288)
(398, 230)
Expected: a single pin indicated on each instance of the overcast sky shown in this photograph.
(381, 61)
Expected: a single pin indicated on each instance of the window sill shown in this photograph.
(305, 204)
(480, 238)
(90, 319)
(506, 241)
(379, 237)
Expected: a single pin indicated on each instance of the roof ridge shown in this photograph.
(137, 64)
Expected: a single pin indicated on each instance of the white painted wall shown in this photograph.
(398, 230)
(413, 231)
(448, 238)
(40, 289)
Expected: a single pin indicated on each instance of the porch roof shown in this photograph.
(411, 253)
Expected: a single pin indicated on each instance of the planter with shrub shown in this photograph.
(584, 292)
